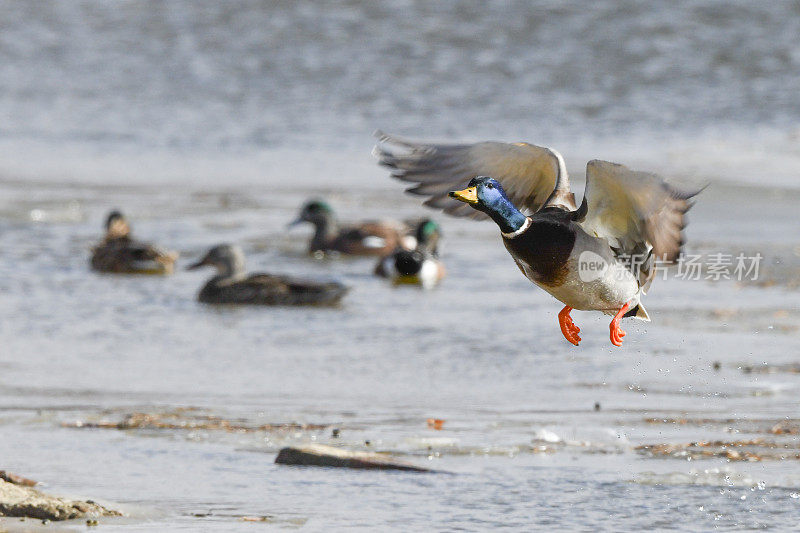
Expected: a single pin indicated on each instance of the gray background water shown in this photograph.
(211, 122)
(708, 88)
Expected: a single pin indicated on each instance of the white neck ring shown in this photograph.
(518, 232)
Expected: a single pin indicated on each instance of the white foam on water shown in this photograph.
(545, 435)
(422, 443)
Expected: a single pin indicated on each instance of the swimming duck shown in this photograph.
(120, 253)
(232, 285)
(420, 266)
(366, 238)
(600, 256)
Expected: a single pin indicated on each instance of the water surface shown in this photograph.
(211, 123)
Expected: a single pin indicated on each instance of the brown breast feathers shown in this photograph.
(545, 246)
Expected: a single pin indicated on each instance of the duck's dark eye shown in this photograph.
(489, 186)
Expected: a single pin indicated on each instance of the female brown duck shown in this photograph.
(120, 253)
(232, 285)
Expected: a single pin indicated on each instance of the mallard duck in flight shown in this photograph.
(121, 254)
(597, 257)
(232, 285)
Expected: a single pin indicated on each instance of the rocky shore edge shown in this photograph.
(18, 498)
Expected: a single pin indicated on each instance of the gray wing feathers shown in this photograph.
(528, 173)
(639, 213)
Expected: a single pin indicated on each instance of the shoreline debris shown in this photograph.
(180, 420)
(739, 450)
(16, 479)
(20, 500)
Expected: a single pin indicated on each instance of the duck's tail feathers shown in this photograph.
(638, 312)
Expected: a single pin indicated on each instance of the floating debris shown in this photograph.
(435, 423)
(270, 519)
(741, 450)
(321, 455)
(785, 428)
(257, 518)
(740, 425)
(182, 421)
(690, 421)
(789, 368)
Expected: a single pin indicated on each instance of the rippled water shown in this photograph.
(701, 88)
(212, 122)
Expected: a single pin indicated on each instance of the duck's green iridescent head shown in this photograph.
(314, 211)
(487, 195)
(428, 234)
(427, 229)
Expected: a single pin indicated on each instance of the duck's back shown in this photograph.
(369, 238)
(125, 255)
(268, 289)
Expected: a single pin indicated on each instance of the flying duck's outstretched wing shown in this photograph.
(532, 176)
(639, 213)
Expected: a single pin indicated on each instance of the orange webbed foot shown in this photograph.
(616, 330)
(568, 328)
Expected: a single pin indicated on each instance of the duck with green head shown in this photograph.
(119, 253)
(419, 266)
(232, 285)
(600, 256)
(365, 238)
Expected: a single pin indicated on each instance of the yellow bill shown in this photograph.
(468, 195)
